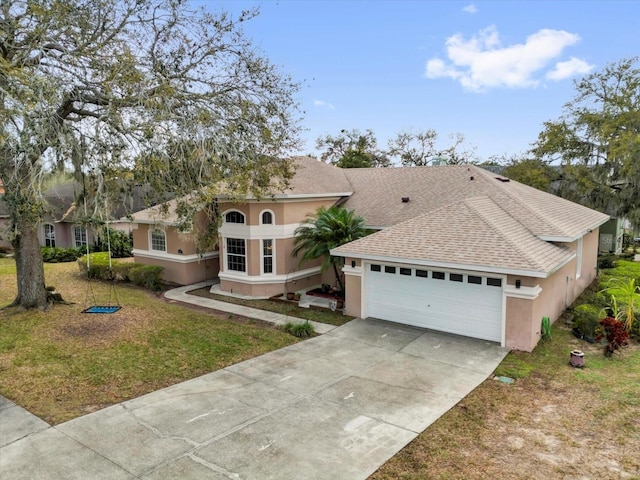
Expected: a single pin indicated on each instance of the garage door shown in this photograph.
(459, 303)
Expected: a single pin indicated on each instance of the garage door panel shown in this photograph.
(455, 307)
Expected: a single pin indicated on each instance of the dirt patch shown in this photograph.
(556, 423)
(91, 328)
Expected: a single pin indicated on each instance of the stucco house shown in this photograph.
(457, 248)
(60, 226)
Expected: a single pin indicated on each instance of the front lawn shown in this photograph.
(61, 364)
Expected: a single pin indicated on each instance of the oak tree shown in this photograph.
(597, 141)
(134, 91)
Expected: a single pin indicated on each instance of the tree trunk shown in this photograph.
(29, 269)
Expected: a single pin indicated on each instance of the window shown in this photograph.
(455, 277)
(158, 240)
(474, 279)
(234, 217)
(421, 273)
(375, 268)
(405, 271)
(437, 275)
(49, 235)
(267, 218)
(80, 236)
(388, 269)
(267, 256)
(236, 255)
(494, 282)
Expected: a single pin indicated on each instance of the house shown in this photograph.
(62, 225)
(612, 235)
(457, 248)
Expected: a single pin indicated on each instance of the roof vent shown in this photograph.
(405, 199)
(471, 177)
(502, 179)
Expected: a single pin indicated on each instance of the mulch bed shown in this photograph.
(317, 292)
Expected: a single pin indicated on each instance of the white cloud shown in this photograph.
(471, 8)
(323, 104)
(482, 62)
(569, 69)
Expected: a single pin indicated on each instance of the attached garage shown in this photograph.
(449, 301)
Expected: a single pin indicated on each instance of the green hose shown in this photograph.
(546, 327)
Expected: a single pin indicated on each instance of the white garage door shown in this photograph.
(459, 303)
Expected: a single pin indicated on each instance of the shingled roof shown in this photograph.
(378, 194)
(312, 178)
(473, 233)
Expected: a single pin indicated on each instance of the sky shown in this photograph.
(493, 71)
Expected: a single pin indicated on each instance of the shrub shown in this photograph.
(60, 255)
(608, 260)
(120, 243)
(625, 299)
(301, 330)
(627, 256)
(148, 276)
(586, 318)
(615, 332)
(99, 267)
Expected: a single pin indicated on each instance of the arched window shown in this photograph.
(79, 236)
(234, 217)
(49, 235)
(158, 240)
(267, 218)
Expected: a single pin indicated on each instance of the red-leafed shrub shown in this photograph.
(616, 334)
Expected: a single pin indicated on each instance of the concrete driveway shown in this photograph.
(333, 407)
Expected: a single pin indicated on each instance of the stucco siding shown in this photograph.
(353, 301)
(589, 262)
(268, 289)
(518, 328)
(184, 273)
(296, 212)
(141, 237)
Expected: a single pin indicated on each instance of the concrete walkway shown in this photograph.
(332, 407)
(180, 295)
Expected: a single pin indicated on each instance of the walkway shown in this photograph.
(180, 294)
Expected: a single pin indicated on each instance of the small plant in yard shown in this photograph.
(615, 333)
(586, 318)
(625, 297)
(301, 330)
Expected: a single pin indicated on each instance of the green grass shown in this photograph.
(60, 363)
(291, 309)
(623, 269)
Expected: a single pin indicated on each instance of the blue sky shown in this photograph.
(493, 71)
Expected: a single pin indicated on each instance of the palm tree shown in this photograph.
(328, 228)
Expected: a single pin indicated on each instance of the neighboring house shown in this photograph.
(459, 249)
(612, 236)
(60, 226)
